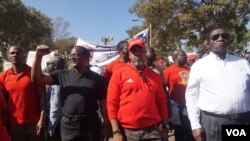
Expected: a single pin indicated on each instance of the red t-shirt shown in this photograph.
(177, 79)
(113, 66)
(23, 98)
(136, 101)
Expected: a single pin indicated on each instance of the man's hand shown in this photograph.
(42, 50)
(39, 126)
(117, 137)
(198, 134)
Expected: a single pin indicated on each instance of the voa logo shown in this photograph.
(236, 132)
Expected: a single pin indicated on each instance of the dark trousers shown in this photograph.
(80, 129)
(25, 132)
(183, 132)
(212, 124)
(151, 133)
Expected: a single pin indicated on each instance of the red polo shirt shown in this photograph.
(23, 98)
(136, 101)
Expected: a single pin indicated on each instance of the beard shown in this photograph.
(220, 51)
(138, 64)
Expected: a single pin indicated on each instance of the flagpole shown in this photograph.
(150, 35)
(76, 41)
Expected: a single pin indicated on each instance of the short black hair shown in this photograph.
(83, 51)
(17, 46)
(120, 44)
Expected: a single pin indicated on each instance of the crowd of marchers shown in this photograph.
(135, 98)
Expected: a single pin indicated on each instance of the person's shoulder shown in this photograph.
(151, 71)
(126, 69)
(112, 63)
(91, 72)
(4, 73)
(238, 60)
(235, 58)
(202, 61)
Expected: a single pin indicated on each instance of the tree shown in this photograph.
(22, 25)
(107, 39)
(60, 28)
(176, 20)
(63, 46)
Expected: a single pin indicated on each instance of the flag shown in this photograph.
(144, 34)
(100, 55)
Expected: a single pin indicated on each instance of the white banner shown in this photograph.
(100, 55)
(45, 59)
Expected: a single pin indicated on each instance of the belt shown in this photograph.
(155, 126)
(79, 116)
(231, 116)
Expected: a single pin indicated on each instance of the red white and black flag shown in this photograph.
(144, 34)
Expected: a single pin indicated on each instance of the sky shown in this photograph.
(90, 19)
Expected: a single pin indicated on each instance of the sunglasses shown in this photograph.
(217, 36)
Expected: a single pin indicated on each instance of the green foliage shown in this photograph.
(22, 25)
(176, 20)
(64, 46)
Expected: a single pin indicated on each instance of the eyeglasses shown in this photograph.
(217, 36)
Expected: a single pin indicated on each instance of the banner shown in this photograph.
(100, 55)
(45, 59)
(144, 35)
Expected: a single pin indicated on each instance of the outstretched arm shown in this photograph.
(36, 71)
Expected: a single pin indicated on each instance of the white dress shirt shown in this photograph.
(54, 107)
(218, 86)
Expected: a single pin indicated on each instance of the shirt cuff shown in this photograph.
(195, 125)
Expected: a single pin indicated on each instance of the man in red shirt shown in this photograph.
(123, 58)
(136, 101)
(176, 77)
(25, 99)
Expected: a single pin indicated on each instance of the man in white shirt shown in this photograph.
(218, 91)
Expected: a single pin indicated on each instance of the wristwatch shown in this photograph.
(116, 131)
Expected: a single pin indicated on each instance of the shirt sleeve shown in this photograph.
(161, 101)
(113, 97)
(55, 107)
(192, 96)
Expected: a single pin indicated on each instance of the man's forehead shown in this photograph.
(216, 31)
(54, 59)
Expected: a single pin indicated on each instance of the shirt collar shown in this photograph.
(213, 55)
(24, 71)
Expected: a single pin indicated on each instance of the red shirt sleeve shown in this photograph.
(113, 96)
(161, 101)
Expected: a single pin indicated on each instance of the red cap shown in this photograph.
(192, 57)
(136, 41)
